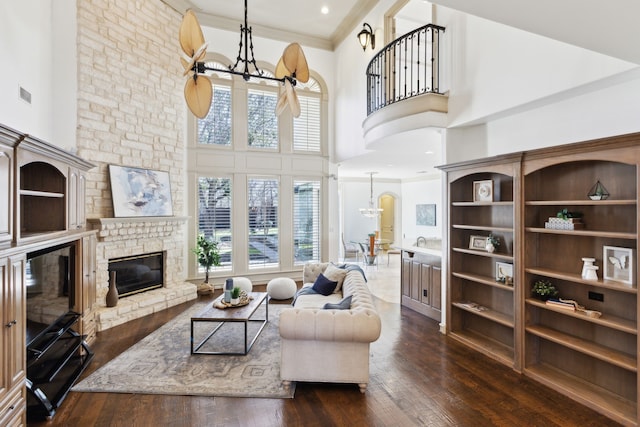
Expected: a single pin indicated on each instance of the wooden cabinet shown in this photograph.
(482, 310)
(8, 139)
(12, 359)
(593, 359)
(42, 191)
(421, 283)
(48, 180)
(591, 356)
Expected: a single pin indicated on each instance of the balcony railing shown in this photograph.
(406, 67)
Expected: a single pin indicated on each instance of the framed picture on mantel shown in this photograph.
(140, 192)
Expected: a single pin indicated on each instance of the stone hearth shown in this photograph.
(119, 237)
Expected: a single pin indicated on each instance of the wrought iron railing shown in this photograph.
(406, 67)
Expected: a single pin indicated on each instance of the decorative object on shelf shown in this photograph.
(598, 192)
(504, 273)
(492, 244)
(483, 191)
(112, 293)
(565, 220)
(291, 67)
(208, 255)
(543, 289)
(478, 242)
(587, 262)
(140, 192)
(235, 295)
(426, 215)
(618, 264)
(371, 211)
(591, 273)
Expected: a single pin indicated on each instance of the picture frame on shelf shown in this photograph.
(618, 264)
(504, 273)
(483, 191)
(478, 243)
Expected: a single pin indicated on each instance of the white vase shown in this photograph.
(591, 273)
(588, 262)
(489, 247)
(235, 301)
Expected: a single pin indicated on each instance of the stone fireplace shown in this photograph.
(129, 237)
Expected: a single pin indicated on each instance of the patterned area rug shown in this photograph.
(162, 362)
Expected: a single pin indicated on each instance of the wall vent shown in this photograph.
(25, 95)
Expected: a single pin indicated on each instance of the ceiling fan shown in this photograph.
(198, 91)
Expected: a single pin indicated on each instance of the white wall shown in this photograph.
(495, 67)
(25, 49)
(420, 192)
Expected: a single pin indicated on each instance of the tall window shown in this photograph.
(306, 128)
(214, 215)
(216, 127)
(264, 236)
(306, 221)
(262, 122)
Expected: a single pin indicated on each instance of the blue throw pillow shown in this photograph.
(324, 286)
(345, 304)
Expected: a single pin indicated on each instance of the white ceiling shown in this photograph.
(284, 19)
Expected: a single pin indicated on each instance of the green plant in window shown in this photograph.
(207, 253)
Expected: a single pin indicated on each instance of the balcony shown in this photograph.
(403, 85)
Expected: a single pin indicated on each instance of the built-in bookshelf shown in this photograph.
(482, 310)
(545, 212)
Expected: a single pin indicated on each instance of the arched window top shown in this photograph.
(312, 86)
(218, 65)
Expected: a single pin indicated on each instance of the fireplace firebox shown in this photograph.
(140, 273)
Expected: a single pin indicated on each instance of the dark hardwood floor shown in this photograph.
(422, 379)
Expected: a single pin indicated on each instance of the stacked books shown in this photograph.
(556, 223)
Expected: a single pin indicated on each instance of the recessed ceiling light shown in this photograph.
(324, 10)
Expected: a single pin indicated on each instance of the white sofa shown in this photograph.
(329, 345)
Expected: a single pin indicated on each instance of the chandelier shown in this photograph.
(371, 211)
(198, 91)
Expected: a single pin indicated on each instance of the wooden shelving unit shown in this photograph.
(481, 310)
(593, 360)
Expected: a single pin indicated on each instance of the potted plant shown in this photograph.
(492, 243)
(235, 295)
(543, 289)
(208, 255)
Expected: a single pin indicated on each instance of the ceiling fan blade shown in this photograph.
(282, 102)
(295, 61)
(281, 69)
(198, 93)
(197, 57)
(190, 35)
(294, 104)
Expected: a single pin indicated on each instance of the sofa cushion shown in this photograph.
(336, 274)
(345, 304)
(323, 285)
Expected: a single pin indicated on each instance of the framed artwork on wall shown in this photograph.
(140, 192)
(426, 215)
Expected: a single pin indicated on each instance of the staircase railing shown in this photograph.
(406, 67)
